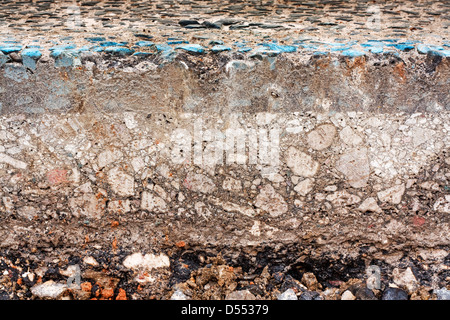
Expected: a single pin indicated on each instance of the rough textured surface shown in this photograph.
(273, 156)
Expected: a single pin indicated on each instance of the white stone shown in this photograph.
(442, 204)
(90, 261)
(289, 294)
(355, 166)
(343, 198)
(107, 157)
(119, 206)
(49, 290)
(13, 162)
(304, 187)
(421, 135)
(152, 203)
(86, 205)
(322, 137)
(270, 201)
(137, 164)
(120, 182)
(129, 120)
(350, 137)
(405, 279)
(146, 262)
(178, 295)
(347, 295)
(370, 205)
(301, 163)
(233, 207)
(392, 195)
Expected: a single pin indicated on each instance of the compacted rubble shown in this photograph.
(287, 151)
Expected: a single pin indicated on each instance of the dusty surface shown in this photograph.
(256, 174)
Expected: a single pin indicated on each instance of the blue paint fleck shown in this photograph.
(30, 56)
(220, 48)
(142, 54)
(63, 47)
(401, 46)
(112, 44)
(194, 48)
(9, 49)
(244, 49)
(280, 48)
(173, 42)
(163, 47)
(121, 51)
(424, 49)
(352, 53)
(144, 43)
(441, 53)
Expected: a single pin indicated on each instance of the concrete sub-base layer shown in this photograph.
(180, 174)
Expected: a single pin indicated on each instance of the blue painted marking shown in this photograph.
(121, 51)
(279, 48)
(9, 49)
(30, 56)
(144, 43)
(352, 53)
(244, 49)
(142, 54)
(195, 48)
(173, 42)
(220, 48)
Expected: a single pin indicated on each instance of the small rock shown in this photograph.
(392, 195)
(90, 261)
(394, 294)
(310, 295)
(272, 202)
(442, 294)
(120, 182)
(304, 187)
(179, 295)
(405, 279)
(370, 205)
(147, 262)
(322, 137)
(364, 293)
(355, 166)
(347, 295)
(301, 163)
(240, 295)
(49, 290)
(289, 294)
(310, 281)
(350, 137)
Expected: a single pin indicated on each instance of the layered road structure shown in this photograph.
(153, 144)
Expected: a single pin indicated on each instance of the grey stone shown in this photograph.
(394, 294)
(442, 294)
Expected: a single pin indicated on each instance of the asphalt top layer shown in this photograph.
(351, 28)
